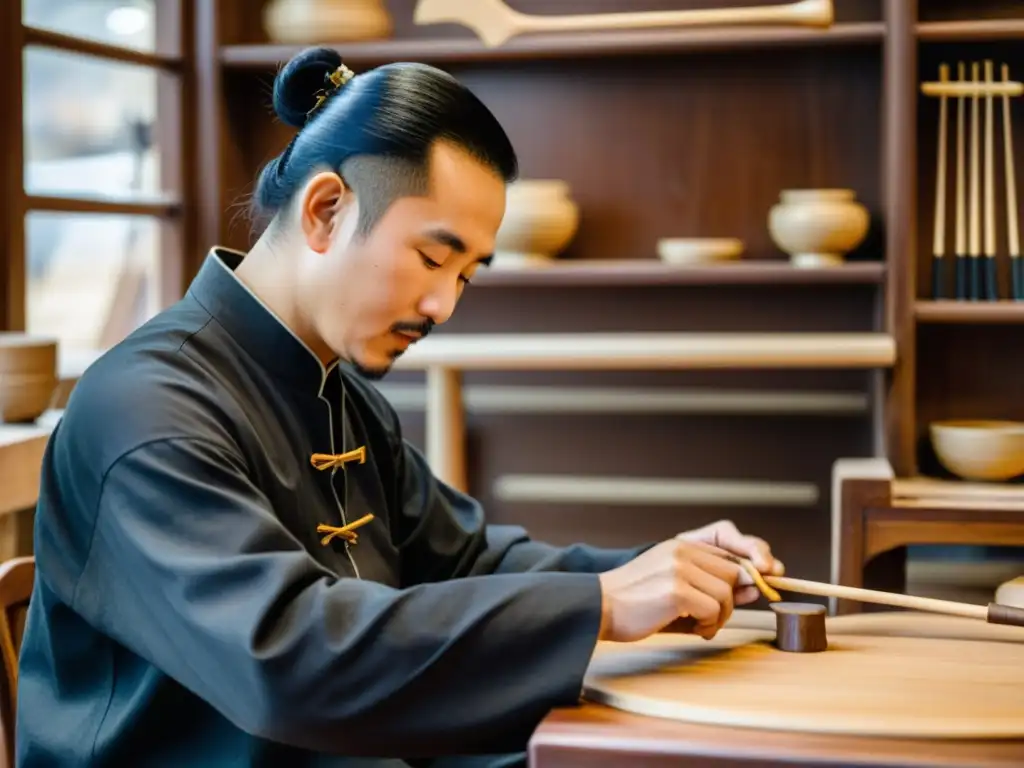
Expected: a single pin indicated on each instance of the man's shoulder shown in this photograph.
(152, 386)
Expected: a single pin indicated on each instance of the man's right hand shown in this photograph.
(671, 580)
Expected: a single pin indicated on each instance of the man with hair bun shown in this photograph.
(239, 559)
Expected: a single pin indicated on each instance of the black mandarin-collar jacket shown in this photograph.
(186, 612)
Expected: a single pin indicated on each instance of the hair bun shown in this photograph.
(300, 80)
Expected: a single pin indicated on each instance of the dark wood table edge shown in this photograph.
(596, 735)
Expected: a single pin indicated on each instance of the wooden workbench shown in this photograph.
(594, 736)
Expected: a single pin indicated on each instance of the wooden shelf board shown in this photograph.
(935, 493)
(651, 351)
(969, 312)
(640, 272)
(965, 31)
(561, 45)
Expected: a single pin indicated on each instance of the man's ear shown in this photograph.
(325, 196)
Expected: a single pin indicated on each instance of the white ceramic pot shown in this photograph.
(540, 221)
(818, 227)
(326, 21)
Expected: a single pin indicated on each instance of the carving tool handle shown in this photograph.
(1012, 233)
(939, 233)
(991, 279)
(910, 602)
(1005, 614)
(962, 284)
(990, 289)
(960, 247)
(938, 278)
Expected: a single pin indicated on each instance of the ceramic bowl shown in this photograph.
(699, 250)
(980, 449)
(28, 376)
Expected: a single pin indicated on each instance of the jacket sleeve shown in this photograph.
(445, 534)
(189, 568)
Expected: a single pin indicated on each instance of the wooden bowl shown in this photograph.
(28, 376)
(980, 449)
(698, 250)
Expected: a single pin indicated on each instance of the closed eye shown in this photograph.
(429, 262)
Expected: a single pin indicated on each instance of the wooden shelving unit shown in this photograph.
(961, 367)
(650, 129)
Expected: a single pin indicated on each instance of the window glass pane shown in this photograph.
(89, 125)
(127, 23)
(91, 278)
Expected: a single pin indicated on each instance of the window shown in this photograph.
(101, 128)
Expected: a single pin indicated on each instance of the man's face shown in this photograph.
(373, 295)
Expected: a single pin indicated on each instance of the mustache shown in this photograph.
(422, 328)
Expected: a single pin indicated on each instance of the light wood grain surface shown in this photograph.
(891, 675)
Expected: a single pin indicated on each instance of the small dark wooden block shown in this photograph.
(800, 627)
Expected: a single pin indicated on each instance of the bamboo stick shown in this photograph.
(992, 613)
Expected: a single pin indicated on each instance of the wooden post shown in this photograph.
(899, 179)
(446, 426)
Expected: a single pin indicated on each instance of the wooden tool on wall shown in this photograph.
(976, 238)
(1012, 234)
(939, 234)
(495, 23)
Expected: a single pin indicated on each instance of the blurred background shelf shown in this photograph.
(976, 30)
(638, 272)
(995, 312)
(563, 46)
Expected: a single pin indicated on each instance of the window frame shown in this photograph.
(174, 24)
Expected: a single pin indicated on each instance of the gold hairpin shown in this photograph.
(336, 80)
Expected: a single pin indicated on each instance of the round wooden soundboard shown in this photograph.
(897, 674)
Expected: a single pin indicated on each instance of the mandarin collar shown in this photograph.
(253, 325)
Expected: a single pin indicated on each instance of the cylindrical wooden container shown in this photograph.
(28, 376)
(800, 627)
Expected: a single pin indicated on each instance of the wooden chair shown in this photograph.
(16, 579)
